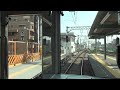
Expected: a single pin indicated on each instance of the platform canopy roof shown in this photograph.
(105, 24)
(46, 14)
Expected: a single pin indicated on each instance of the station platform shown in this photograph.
(106, 68)
(25, 71)
(103, 69)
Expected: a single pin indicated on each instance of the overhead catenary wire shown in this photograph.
(73, 17)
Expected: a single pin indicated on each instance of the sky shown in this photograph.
(81, 18)
(77, 18)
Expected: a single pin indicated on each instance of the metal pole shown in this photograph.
(80, 39)
(105, 47)
(88, 42)
(41, 40)
(58, 43)
(3, 47)
(27, 46)
(53, 42)
(38, 31)
(14, 47)
(66, 42)
(56, 51)
(78, 43)
(95, 46)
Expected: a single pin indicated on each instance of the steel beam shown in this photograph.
(47, 21)
(80, 27)
(114, 32)
(105, 18)
(23, 12)
(107, 26)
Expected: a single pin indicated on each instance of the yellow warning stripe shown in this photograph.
(21, 71)
(114, 72)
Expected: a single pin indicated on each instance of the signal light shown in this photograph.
(67, 39)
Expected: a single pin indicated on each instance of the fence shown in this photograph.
(22, 52)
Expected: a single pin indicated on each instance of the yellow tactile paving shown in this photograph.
(21, 71)
(115, 72)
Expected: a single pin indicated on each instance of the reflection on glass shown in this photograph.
(47, 57)
(24, 48)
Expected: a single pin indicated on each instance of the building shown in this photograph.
(68, 47)
(63, 43)
(21, 28)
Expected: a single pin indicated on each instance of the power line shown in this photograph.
(73, 18)
(76, 17)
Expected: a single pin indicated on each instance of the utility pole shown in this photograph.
(96, 46)
(67, 29)
(66, 41)
(88, 44)
(78, 43)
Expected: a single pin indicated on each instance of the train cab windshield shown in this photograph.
(59, 45)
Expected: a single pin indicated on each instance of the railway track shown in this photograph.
(68, 62)
(80, 65)
(86, 68)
